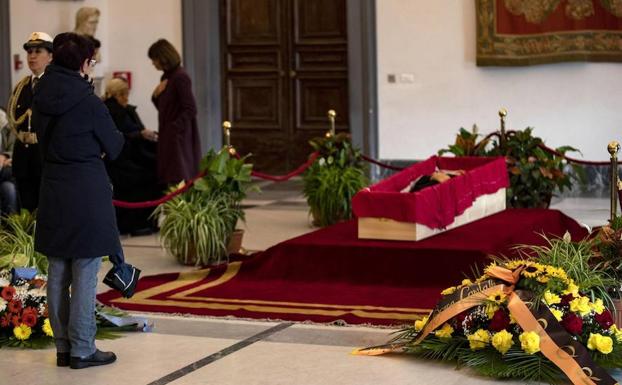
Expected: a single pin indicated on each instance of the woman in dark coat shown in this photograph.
(133, 173)
(76, 223)
(179, 147)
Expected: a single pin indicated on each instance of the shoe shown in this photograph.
(62, 359)
(96, 359)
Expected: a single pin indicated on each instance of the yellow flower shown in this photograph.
(479, 339)
(466, 282)
(572, 289)
(597, 306)
(601, 343)
(448, 291)
(533, 269)
(497, 298)
(557, 313)
(550, 298)
(47, 328)
(511, 265)
(445, 331)
(542, 279)
(502, 341)
(556, 272)
(530, 342)
(580, 305)
(22, 332)
(419, 324)
(617, 333)
(491, 308)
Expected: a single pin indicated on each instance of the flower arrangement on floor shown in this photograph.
(525, 320)
(24, 318)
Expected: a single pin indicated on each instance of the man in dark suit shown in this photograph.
(26, 157)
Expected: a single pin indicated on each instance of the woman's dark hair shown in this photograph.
(165, 54)
(71, 50)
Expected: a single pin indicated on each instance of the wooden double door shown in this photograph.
(285, 64)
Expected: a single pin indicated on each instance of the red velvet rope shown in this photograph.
(371, 160)
(165, 198)
(297, 171)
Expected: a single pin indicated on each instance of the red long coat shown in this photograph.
(179, 145)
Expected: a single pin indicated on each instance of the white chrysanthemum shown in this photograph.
(41, 309)
(21, 293)
(39, 292)
(4, 282)
(2, 304)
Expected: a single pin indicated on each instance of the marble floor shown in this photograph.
(192, 350)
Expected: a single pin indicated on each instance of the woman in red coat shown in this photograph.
(179, 150)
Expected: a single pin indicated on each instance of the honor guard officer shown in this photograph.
(26, 157)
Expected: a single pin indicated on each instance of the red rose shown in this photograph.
(5, 321)
(15, 306)
(604, 319)
(8, 292)
(29, 316)
(572, 323)
(16, 320)
(500, 321)
(566, 298)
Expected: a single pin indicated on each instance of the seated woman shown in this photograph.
(133, 173)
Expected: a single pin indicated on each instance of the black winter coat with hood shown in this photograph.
(76, 218)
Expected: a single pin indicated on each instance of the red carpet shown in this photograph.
(330, 275)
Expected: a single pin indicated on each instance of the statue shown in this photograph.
(86, 21)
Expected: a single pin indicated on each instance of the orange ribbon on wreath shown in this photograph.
(555, 343)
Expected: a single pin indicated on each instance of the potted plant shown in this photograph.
(198, 225)
(535, 174)
(333, 179)
(17, 243)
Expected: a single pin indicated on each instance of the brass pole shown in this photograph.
(613, 147)
(226, 129)
(331, 117)
(502, 114)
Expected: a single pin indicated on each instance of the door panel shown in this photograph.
(285, 66)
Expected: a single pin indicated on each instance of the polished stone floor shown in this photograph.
(191, 350)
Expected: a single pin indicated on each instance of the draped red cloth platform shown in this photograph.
(329, 274)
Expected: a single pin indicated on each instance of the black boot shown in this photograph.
(62, 359)
(96, 359)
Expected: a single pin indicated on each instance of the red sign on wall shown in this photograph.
(127, 75)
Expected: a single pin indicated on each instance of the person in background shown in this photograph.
(179, 149)
(76, 222)
(26, 156)
(8, 192)
(133, 173)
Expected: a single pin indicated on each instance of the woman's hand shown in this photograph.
(160, 88)
(150, 135)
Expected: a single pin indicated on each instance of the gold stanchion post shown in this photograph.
(331, 117)
(613, 147)
(502, 114)
(226, 130)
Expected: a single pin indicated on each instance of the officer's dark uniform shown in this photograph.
(26, 153)
(26, 156)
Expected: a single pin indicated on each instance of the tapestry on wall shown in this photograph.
(526, 32)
